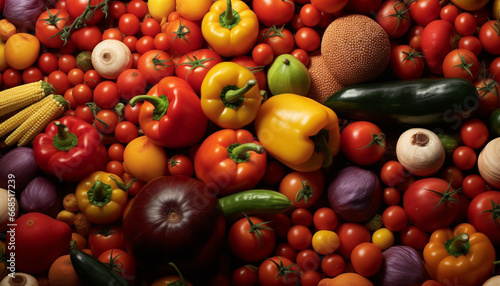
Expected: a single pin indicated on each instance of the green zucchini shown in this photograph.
(252, 202)
(428, 101)
(92, 271)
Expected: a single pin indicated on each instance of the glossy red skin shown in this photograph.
(483, 221)
(438, 39)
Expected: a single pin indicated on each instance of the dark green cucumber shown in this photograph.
(425, 101)
(92, 271)
(252, 202)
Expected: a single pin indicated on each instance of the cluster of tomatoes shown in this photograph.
(310, 242)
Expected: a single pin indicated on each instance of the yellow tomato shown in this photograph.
(159, 9)
(496, 9)
(21, 50)
(3, 61)
(325, 242)
(383, 238)
(470, 5)
(185, 8)
(145, 160)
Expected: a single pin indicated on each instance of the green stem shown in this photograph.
(321, 142)
(234, 95)
(240, 153)
(99, 194)
(305, 192)
(458, 245)
(64, 140)
(160, 104)
(228, 19)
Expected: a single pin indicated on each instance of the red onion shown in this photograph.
(355, 194)
(23, 13)
(402, 266)
(20, 163)
(40, 196)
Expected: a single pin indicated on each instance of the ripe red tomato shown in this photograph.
(193, 66)
(180, 164)
(57, 78)
(461, 63)
(31, 74)
(488, 89)
(309, 15)
(483, 214)
(431, 203)
(274, 12)
(495, 69)
(120, 261)
(333, 264)
(85, 113)
(280, 39)
(351, 234)
(406, 62)
(299, 237)
(106, 94)
(87, 37)
(129, 24)
(395, 218)
(258, 71)
(245, 275)
(362, 142)
(308, 260)
(138, 8)
(464, 158)
(155, 65)
(132, 113)
(329, 6)
(184, 36)
(488, 35)
(105, 237)
(425, 11)
(473, 185)
(394, 17)
(278, 271)
(117, 9)
(414, 237)
(130, 83)
(115, 152)
(262, 54)
(48, 25)
(82, 93)
(76, 8)
(112, 33)
(449, 13)
(303, 189)
(302, 216)
(284, 249)
(307, 39)
(126, 131)
(366, 259)
(144, 44)
(251, 239)
(474, 133)
(106, 121)
(391, 196)
(465, 24)
(325, 219)
(392, 173)
(471, 43)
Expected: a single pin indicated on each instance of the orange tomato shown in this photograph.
(21, 50)
(145, 160)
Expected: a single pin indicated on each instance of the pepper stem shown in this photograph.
(160, 104)
(458, 245)
(99, 194)
(240, 153)
(64, 140)
(229, 18)
(321, 142)
(234, 95)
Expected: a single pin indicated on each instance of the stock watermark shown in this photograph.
(11, 232)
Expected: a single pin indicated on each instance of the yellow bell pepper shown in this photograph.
(298, 131)
(101, 197)
(230, 96)
(230, 27)
(460, 256)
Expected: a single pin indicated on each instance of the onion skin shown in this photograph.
(174, 219)
(402, 266)
(355, 194)
(40, 196)
(21, 163)
(23, 13)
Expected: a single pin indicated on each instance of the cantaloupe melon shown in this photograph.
(356, 49)
(323, 83)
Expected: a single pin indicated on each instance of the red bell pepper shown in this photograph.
(70, 149)
(229, 161)
(171, 115)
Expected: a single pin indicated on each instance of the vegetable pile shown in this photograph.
(250, 142)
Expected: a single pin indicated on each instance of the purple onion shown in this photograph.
(19, 166)
(401, 266)
(24, 13)
(40, 196)
(355, 194)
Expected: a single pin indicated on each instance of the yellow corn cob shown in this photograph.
(21, 96)
(17, 119)
(37, 122)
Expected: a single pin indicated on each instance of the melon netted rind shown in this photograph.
(356, 49)
(323, 83)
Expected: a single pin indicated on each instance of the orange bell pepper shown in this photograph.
(460, 256)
